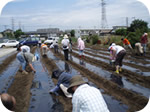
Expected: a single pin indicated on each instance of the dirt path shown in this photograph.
(126, 96)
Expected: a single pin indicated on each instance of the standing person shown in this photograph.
(7, 103)
(44, 49)
(118, 53)
(81, 47)
(26, 58)
(86, 98)
(55, 43)
(127, 43)
(144, 42)
(138, 49)
(65, 46)
(63, 82)
(39, 42)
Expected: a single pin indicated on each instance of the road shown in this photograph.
(6, 51)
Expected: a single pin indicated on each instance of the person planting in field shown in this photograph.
(44, 49)
(118, 54)
(26, 58)
(127, 43)
(63, 82)
(85, 97)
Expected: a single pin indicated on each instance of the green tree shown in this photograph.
(72, 33)
(18, 33)
(122, 32)
(140, 25)
(94, 39)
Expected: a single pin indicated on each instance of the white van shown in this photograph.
(50, 40)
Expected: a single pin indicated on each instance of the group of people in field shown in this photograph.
(118, 52)
(85, 98)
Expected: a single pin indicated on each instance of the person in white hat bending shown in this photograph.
(26, 58)
(85, 97)
(65, 46)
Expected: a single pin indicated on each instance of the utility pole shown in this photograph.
(127, 20)
(103, 13)
(19, 25)
(5, 26)
(12, 23)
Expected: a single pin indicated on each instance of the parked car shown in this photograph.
(29, 41)
(9, 43)
(50, 40)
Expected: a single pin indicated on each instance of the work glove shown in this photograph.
(112, 61)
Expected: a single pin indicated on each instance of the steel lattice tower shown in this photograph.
(103, 19)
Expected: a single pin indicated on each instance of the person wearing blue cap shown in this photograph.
(26, 58)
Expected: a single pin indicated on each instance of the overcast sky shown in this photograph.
(70, 14)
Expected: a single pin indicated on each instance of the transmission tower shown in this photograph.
(103, 19)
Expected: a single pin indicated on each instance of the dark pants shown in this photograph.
(120, 57)
(66, 54)
(56, 48)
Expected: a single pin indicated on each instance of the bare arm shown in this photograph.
(32, 67)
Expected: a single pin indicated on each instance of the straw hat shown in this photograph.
(65, 36)
(75, 81)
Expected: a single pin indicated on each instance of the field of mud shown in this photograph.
(127, 92)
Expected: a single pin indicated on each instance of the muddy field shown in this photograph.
(127, 92)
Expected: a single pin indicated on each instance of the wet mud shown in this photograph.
(131, 76)
(6, 62)
(117, 106)
(126, 96)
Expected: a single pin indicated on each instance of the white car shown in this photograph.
(9, 43)
(50, 40)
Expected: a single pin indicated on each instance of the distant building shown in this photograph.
(118, 27)
(87, 32)
(46, 32)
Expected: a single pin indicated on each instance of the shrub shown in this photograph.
(94, 39)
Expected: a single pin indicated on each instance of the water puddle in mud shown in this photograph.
(124, 66)
(113, 104)
(41, 100)
(7, 77)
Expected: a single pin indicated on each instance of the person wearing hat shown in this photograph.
(118, 53)
(7, 103)
(63, 82)
(26, 58)
(144, 42)
(65, 46)
(85, 97)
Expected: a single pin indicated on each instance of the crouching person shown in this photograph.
(44, 49)
(26, 58)
(138, 49)
(86, 98)
(63, 82)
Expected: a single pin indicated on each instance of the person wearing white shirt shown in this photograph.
(65, 46)
(118, 53)
(85, 97)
